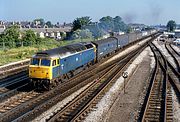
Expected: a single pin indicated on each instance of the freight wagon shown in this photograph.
(105, 47)
(123, 40)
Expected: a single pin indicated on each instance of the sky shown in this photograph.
(150, 12)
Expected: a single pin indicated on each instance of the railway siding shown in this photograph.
(23, 109)
(115, 102)
(14, 68)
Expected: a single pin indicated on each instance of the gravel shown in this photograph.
(176, 48)
(106, 102)
(165, 52)
(153, 61)
(176, 107)
(59, 105)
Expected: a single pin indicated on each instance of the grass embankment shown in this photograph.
(21, 53)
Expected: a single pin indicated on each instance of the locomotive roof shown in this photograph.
(62, 51)
(121, 36)
(109, 39)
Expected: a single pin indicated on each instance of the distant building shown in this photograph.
(2, 26)
(178, 26)
(137, 27)
(41, 35)
(42, 30)
(177, 33)
(25, 24)
(106, 36)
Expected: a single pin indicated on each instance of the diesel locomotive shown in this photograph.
(51, 67)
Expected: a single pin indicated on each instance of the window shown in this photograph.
(45, 62)
(35, 61)
(54, 63)
(57, 61)
(89, 46)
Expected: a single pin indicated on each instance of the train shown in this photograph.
(51, 67)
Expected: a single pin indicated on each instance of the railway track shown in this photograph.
(155, 108)
(173, 74)
(177, 53)
(25, 87)
(13, 68)
(48, 99)
(78, 108)
(13, 85)
(17, 100)
(158, 103)
(37, 104)
(174, 55)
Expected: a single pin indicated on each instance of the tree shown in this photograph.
(11, 35)
(106, 23)
(119, 25)
(39, 21)
(29, 37)
(95, 30)
(49, 24)
(80, 23)
(3, 39)
(171, 25)
(110, 24)
(84, 34)
(63, 35)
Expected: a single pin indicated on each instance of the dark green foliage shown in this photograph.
(11, 36)
(84, 34)
(63, 35)
(119, 25)
(96, 31)
(171, 25)
(29, 37)
(42, 22)
(79, 23)
(69, 35)
(49, 24)
(110, 24)
(107, 23)
(129, 29)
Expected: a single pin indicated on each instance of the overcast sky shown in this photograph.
(132, 11)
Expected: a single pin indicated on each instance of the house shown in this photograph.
(41, 35)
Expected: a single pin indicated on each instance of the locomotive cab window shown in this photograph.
(54, 63)
(35, 61)
(58, 61)
(45, 62)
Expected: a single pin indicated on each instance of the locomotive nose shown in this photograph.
(39, 72)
